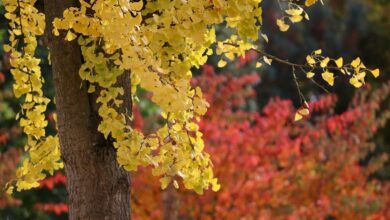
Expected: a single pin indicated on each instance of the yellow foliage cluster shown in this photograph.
(356, 70)
(26, 23)
(157, 43)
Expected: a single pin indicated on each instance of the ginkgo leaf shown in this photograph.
(356, 62)
(230, 56)
(258, 64)
(165, 181)
(70, 36)
(216, 187)
(17, 31)
(295, 18)
(294, 11)
(355, 82)
(310, 60)
(297, 116)
(308, 3)
(375, 72)
(282, 25)
(91, 89)
(328, 77)
(324, 62)
(302, 111)
(339, 62)
(318, 52)
(7, 48)
(136, 5)
(10, 8)
(309, 75)
(221, 63)
(10, 190)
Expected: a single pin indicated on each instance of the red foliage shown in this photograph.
(56, 208)
(51, 181)
(4, 137)
(249, 57)
(272, 168)
(2, 77)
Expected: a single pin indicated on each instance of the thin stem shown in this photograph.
(301, 96)
(286, 62)
(319, 85)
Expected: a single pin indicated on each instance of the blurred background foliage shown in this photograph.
(347, 28)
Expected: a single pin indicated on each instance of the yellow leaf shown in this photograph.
(17, 31)
(309, 75)
(136, 5)
(356, 62)
(216, 187)
(294, 11)
(318, 52)
(339, 62)
(310, 60)
(230, 56)
(56, 32)
(297, 116)
(91, 89)
(70, 36)
(328, 77)
(295, 18)
(308, 3)
(375, 72)
(258, 64)
(10, 190)
(324, 62)
(355, 82)
(7, 48)
(221, 63)
(303, 111)
(165, 181)
(10, 8)
(282, 25)
(177, 127)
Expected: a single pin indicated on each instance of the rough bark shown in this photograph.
(97, 187)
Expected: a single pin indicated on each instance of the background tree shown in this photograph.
(315, 169)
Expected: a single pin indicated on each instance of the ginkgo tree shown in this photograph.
(101, 52)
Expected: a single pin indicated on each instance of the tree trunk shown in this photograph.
(170, 203)
(97, 187)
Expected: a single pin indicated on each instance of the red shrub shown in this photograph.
(272, 168)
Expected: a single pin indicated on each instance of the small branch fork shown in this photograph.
(294, 66)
